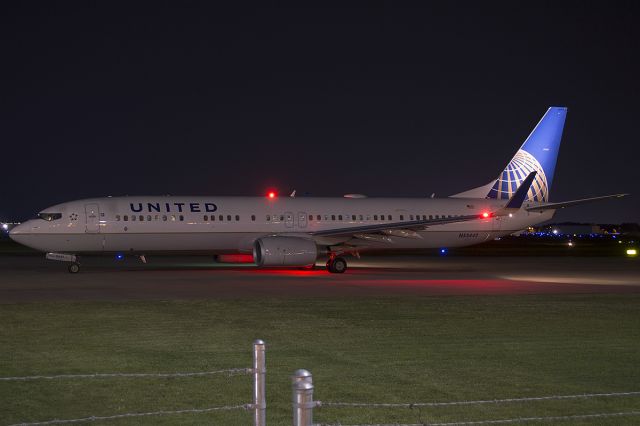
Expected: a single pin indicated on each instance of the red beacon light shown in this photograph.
(485, 215)
(271, 195)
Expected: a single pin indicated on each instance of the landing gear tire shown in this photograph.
(337, 265)
(74, 268)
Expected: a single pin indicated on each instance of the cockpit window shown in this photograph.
(50, 216)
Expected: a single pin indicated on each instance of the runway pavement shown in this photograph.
(32, 278)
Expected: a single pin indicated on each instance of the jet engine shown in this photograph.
(284, 251)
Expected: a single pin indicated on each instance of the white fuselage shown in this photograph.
(232, 224)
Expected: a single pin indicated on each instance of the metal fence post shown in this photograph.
(259, 373)
(302, 384)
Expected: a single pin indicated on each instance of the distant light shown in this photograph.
(271, 194)
(555, 232)
(632, 252)
(570, 243)
(485, 215)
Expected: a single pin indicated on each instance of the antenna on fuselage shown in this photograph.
(293, 194)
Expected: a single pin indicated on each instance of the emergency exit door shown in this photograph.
(302, 219)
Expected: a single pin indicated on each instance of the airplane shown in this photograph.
(275, 231)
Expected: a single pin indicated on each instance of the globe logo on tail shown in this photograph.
(516, 172)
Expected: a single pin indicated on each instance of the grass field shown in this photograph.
(384, 350)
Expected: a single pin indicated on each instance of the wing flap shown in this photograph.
(564, 204)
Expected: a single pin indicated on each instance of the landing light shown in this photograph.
(632, 252)
(5, 226)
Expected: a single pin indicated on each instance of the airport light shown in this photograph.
(570, 243)
(555, 232)
(632, 252)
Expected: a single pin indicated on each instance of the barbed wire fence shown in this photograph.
(258, 404)
(304, 405)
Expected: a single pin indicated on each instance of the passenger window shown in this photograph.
(353, 217)
(212, 218)
(390, 217)
(318, 217)
(173, 218)
(310, 217)
(253, 217)
(361, 217)
(157, 217)
(401, 217)
(181, 218)
(229, 217)
(237, 218)
(220, 218)
(117, 218)
(375, 217)
(149, 218)
(430, 217)
(133, 218)
(410, 217)
(126, 218)
(141, 218)
(339, 217)
(206, 218)
(164, 217)
(333, 217)
(268, 218)
(281, 218)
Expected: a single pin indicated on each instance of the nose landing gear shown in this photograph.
(72, 259)
(336, 265)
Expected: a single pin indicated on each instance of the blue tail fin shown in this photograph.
(538, 153)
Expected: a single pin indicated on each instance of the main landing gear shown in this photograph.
(336, 265)
(74, 268)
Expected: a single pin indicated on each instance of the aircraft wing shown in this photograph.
(562, 205)
(514, 203)
(410, 225)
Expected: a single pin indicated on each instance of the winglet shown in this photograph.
(515, 202)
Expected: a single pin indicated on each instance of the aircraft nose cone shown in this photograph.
(18, 231)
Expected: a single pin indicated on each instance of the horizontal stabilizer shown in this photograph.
(556, 206)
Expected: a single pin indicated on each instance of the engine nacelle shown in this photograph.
(284, 251)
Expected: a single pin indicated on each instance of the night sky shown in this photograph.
(190, 98)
